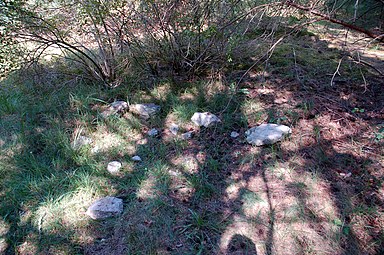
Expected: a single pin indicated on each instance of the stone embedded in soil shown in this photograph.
(346, 175)
(266, 134)
(114, 108)
(105, 207)
(114, 167)
(80, 142)
(234, 134)
(136, 158)
(205, 119)
(153, 132)
(187, 135)
(174, 128)
(145, 111)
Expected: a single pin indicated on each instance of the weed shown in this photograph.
(199, 229)
(185, 111)
(204, 189)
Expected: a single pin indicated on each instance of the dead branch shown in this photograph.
(379, 37)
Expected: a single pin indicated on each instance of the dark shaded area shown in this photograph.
(241, 245)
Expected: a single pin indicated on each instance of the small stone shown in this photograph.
(349, 174)
(188, 135)
(95, 149)
(136, 158)
(174, 128)
(114, 108)
(105, 207)
(173, 173)
(119, 106)
(234, 134)
(145, 110)
(80, 142)
(266, 134)
(153, 132)
(205, 119)
(114, 167)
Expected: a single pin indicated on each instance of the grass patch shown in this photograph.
(211, 194)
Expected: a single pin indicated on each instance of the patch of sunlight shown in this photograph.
(103, 140)
(254, 203)
(304, 238)
(161, 92)
(233, 190)
(184, 112)
(147, 188)
(244, 227)
(4, 229)
(51, 53)
(321, 202)
(10, 135)
(317, 196)
(280, 171)
(25, 216)
(65, 211)
(297, 161)
(189, 164)
(188, 97)
(30, 245)
(3, 245)
(266, 91)
(291, 210)
(215, 86)
(253, 110)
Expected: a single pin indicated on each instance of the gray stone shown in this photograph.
(234, 134)
(205, 119)
(136, 158)
(153, 132)
(105, 207)
(119, 106)
(174, 128)
(187, 135)
(114, 167)
(266, 134)
(114, 108)
(145, 110)
(80, 142)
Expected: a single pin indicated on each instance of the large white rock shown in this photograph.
(145, 110)
(105, 207)
(205, 119)
(114, 167)
(266, 134)
(115, 107)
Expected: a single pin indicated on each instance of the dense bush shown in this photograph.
(112, 39)
(109, 38)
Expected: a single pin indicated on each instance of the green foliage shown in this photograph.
(367, 14)
(112, 39)
(11, 54)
